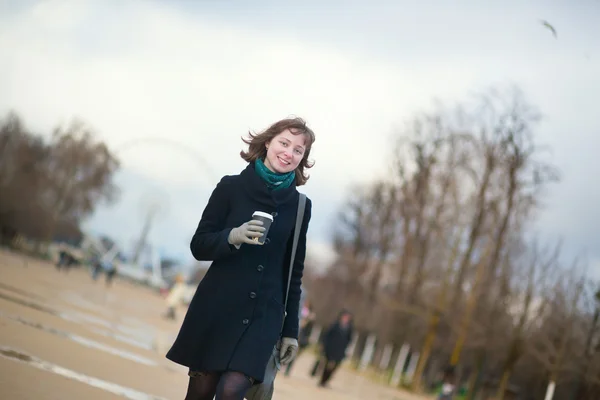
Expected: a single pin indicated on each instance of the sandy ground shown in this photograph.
(63, 336)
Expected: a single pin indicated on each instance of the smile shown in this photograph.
(283, 161)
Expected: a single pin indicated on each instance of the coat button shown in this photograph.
(260, 268)
(245, 322)
(252, 295)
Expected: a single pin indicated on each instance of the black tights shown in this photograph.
(229, 385)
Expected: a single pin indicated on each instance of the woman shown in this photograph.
(236, 315)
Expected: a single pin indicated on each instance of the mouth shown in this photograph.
(281, 160)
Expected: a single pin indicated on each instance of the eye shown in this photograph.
(284, 144)
(299, 152)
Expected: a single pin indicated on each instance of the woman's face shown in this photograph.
(284, 152)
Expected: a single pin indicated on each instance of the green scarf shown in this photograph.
(273, 180)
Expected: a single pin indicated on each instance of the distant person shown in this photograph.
(334, 343)
(235, 318)
(96, 267)
(62, 258)
(307, 321)
(65, 260)
(110, 269)
(175, 297)
(448, 388)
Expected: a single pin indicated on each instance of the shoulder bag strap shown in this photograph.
(299, 218)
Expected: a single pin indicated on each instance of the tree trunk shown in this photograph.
(435, 317)
(474, 234)
(425, 353)
(503, 384)
(475, 378)
(471, 304)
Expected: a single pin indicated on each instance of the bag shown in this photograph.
(264, 390)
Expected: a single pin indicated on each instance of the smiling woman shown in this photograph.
(228, 345)
(282, 148)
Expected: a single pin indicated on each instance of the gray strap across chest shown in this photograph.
(299, 218)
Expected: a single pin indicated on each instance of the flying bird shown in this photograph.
(550, 27)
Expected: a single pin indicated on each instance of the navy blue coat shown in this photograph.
(236, 315)
(336, 340)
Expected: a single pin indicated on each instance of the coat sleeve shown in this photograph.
(209, 242)
(290, 325)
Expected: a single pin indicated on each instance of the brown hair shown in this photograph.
(257, 144)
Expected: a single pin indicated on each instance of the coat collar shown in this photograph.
(258, 190)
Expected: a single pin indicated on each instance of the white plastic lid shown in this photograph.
(262, 214)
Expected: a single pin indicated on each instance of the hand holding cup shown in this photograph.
(249, 233)
(266, 220)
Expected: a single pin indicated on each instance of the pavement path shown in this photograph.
(63, 336)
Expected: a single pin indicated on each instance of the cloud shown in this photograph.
(196, 77)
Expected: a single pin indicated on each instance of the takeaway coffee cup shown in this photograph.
(267, 220)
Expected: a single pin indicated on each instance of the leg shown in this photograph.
(324, 374)
(95, 272)
(233, 386)
(202, 386)
(330, 367)
(109, 277)
(315, 367)
(60, 261)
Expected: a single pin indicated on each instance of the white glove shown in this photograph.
(289, 350)
(246, 233)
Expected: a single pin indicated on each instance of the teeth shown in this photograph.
(283, 161)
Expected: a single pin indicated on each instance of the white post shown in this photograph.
(550, 390)
(386, 357)
(352, 346)
(368, 352)
(399, 367)
(315, 334)
(412, 366)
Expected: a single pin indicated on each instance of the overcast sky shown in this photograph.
(202, 73)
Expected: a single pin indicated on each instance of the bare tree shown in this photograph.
(557, 338)
(47, 187)
(365, 240)
(531, 272)
(438, 248)
(82, 169)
